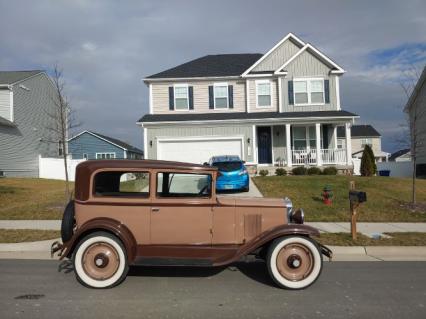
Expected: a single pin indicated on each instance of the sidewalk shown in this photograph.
(367, 229)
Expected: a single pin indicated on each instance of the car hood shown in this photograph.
(250, 201)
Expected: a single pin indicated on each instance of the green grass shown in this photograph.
(397, 239)
(27, 235)
(387, 197)
(31, 198)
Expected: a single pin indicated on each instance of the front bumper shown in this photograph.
(56, 246)
(326, 251)
(233, 183)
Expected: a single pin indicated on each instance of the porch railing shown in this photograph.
(328, 156)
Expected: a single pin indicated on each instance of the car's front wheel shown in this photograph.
(294, 262)
(100, 261)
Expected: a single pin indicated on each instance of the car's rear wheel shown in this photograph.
(100, 261)
(294, 262)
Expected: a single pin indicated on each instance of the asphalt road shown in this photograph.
(344, 290)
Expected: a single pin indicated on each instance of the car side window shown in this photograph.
(122, 184)
(171, 184)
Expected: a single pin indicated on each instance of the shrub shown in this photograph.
(367, 163)
(280, 172)
(329, 171)
(263, 172)
(299, 170)
(373, 160)
(314, 171)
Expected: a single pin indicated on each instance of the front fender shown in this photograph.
(102, 224)
(269, 235)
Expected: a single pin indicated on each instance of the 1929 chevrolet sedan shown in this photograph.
(146, 212)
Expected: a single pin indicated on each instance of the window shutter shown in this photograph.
(290, 93)
(327, 91)
(191, 97)
(171, 98)
(231, 96)
(211, 97)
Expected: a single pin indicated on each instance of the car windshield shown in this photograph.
(228, 166)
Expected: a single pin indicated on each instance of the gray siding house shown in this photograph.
(92, 145)
(278, 108)
(26, 99)
(416, 109)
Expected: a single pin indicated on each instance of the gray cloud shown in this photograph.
(106, 48)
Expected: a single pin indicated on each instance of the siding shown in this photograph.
(252, 96)
(420, 104)
(160, 97)
(278, 57)
(88, 144)
(356, 145)
(21, 146)
(307, 65)
(175, 131)
(5, 104)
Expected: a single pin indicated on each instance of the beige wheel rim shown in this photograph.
(100, 261)
(295, 262)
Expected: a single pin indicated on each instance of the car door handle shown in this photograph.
(155, 209)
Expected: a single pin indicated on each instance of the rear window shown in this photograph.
(183, 185)
(122, 184)
(228, 166)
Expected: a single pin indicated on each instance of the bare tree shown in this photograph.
(415, 113)
(63, 120)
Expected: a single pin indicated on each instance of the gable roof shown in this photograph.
(399, 153)
(210, 66)
(359, 131)
(11, 77)
(416, 90)
(111, 140)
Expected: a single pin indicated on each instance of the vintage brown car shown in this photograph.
(146, 212)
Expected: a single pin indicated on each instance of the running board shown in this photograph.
(157, 261)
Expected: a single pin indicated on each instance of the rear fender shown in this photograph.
(268, 236)
(102, 224)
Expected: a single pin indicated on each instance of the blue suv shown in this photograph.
(232, 173)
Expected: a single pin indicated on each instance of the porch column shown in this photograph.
(288, 145)
(335, 136)
(348, 144)
(318, 143)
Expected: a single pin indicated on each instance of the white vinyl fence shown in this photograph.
(397, 169)
(53, 168)
(357, 166)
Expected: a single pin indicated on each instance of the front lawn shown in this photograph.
(31, 198)
(387, 197)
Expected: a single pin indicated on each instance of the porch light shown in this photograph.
(248, 140)
(150, 143)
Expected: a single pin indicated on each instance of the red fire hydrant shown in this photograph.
(327, 195)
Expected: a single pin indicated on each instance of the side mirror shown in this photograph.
(243, 162)
(206, 164)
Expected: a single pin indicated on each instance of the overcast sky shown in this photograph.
(106, 47)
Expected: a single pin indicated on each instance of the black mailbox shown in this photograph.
(357, 197)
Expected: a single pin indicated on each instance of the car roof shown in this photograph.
(92, 165)
(225, 158)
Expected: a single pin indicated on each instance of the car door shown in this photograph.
(181, 212)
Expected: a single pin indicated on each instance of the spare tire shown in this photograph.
(68, 222)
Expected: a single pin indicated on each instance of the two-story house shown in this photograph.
(362, 135)
(26, 122)
(279, 107)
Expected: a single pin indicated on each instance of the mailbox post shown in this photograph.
(355, 199)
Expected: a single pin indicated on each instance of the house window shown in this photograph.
(309, 91)
(366, 141)
(60, 148)
(263, 93)
(105, 155)
(304, 137)
(181, 97)
(221, 96)
(340, 143)
(85, 156)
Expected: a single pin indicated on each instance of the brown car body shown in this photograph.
(210, 230)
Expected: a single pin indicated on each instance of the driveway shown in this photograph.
(253, 192)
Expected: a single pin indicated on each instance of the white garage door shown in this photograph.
(198, 151)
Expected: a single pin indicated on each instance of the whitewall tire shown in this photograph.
(100, 261)
(294, 262)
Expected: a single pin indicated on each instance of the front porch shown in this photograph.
(309, 144)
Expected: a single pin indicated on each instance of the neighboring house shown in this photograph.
(362, 135)
(416, 109)
(91, 145)
(403, 155)
(26, 105)
(279, 107)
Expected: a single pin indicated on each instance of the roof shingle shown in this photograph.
(10, 77)
(359, 131)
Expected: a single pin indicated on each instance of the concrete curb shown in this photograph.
(41, 250)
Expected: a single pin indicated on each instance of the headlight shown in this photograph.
(298, 217)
